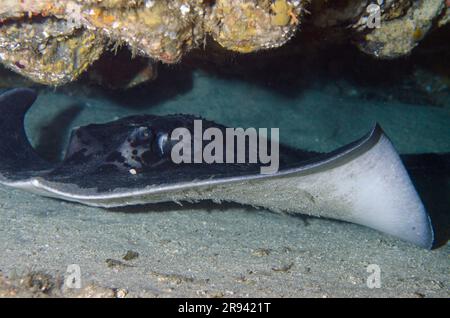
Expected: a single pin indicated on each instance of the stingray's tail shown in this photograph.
(17, 157)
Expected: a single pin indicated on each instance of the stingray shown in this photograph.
(127, 162)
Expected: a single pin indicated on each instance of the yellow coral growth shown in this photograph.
(246, 26)
(282, 13)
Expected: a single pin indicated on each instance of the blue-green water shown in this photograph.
(217, 245)
(313, 119)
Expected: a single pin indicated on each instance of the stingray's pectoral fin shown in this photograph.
(18, 160)
(368, 184)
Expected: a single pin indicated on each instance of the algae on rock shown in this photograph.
(54, 41)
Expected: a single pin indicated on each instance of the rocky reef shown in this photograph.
(52, 42)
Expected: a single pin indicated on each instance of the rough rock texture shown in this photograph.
(398, 36)
(247, 26)
(48, 51)
(54, 41)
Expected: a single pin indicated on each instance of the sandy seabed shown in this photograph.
(211, 250)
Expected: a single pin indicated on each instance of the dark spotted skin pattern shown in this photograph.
(144, 148)
(135, 152)
(132, 152)
(141, 146)
(140, 143)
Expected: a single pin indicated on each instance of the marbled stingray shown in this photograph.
(364, 182)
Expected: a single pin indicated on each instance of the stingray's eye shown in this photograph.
(162, 144)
